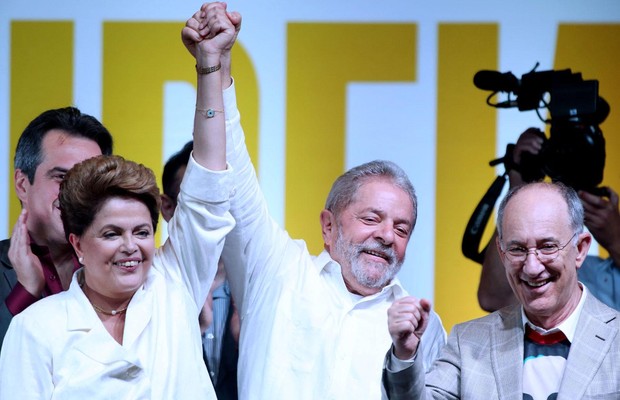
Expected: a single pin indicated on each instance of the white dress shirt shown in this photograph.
(58, 348)
(303, 334)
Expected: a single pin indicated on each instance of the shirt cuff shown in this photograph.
(202, 183)
(19, 299)
(394, 364)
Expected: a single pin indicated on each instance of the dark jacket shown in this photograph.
(8, 280)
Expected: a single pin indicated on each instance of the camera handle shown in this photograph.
(479, 219)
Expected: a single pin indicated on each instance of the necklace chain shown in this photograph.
(113, 312)
(82, 282)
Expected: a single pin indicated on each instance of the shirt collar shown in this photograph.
(323, 261)
(568, 326)
(222, 291)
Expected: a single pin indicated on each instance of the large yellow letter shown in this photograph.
(594, 50)
(41, 79)
(465, 142)
(322, 58)
(139, 58)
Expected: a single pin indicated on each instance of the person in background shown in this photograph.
(558, 341)
(602, 218)
(313, 327)
(128, 325)
(37, 260)
(219, 321)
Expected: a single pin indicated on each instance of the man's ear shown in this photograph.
(167, 207)
(583, 245)
(328, 227)
(22, 184)
(498, 244)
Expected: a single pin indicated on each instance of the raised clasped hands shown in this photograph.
(407, 320)
(210, 31)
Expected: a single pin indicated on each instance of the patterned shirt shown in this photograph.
(545, 353)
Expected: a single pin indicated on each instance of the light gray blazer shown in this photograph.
(483, 359)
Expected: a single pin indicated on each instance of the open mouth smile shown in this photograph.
(127, 265)
(538, 283)
(377, 254)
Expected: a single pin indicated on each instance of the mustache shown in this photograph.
(373, 246)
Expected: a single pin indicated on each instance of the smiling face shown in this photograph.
(369, 237)
(60, 152)
(549, 292)
(117, 248)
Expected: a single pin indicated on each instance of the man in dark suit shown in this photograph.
(219, 321)
(38, 261)
(558, 341)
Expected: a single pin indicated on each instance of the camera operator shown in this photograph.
(601, 276)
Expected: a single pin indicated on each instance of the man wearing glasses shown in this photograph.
(559, 341)
(602, 218)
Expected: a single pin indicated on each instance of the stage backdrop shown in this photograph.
(322, 86)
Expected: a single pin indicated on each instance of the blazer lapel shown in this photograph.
(96, 343)
(507, 354)
(592, 341)
(138, 315)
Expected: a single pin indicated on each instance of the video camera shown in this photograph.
(574, 153)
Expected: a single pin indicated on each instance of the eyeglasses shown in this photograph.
(546, 253)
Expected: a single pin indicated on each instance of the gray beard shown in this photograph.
(352, 253)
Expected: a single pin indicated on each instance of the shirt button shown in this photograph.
(52, 277)
(210, 336)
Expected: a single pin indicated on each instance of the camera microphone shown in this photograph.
(507, 104)
(496, 81)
